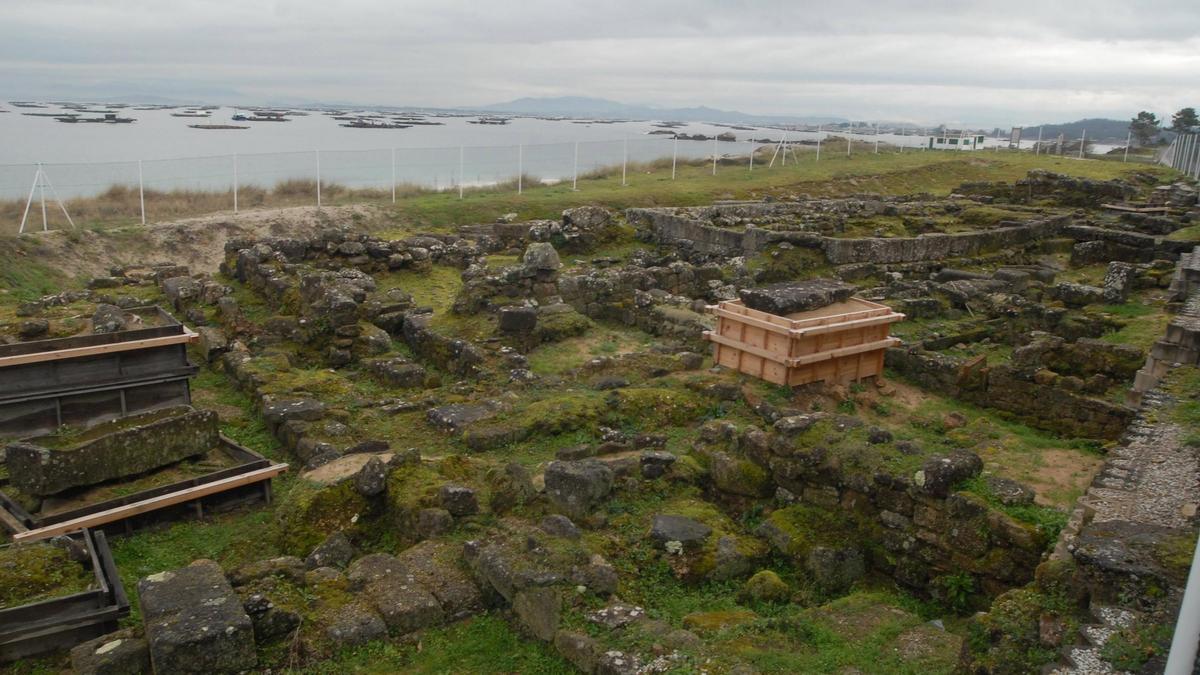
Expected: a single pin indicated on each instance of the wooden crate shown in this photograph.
(61, 623)
(85, 379)
(840, 343)
(248, 481)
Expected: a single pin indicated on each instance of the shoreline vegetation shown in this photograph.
(645, 183)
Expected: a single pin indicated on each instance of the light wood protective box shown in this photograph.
(840, 343)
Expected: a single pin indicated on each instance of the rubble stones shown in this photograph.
(690, 534)
(1077, 295)
(194, 621)
(538, 610)
(656, 463)
(119, 653)
(108, 319)
(558, 525)
(1010, 492)
(541, 257)
(335, 551)
(458, 500)
(939, 474)
(355, 624)
(580, 649)
(32, 329)
(616, 615)
(181, 290)
(518, 320)
(1118, 281)
(576, 488)
(835, 569)
(434, 522)
(371, 479)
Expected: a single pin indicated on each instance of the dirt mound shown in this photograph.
(196, 242)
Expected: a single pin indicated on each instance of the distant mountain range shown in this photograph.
(1098, 129)
(582, 106)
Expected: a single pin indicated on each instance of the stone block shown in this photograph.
(123, 447)
(195, 623)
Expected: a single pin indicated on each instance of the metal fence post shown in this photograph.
(393, 175)
(235, 183)
(752, 149)
(820, 137)
(849, 140)
(520, 167)
(674, 154)
(1182, 657)
(624, 159)
(141, 195)
(575, 180)
(1082, 143)
(42, 196)
(1128, 139)
(318, 179)
(461, 153)
(877, 138)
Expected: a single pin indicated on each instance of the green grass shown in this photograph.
(907, 173)
(483, 644)
(231, 539)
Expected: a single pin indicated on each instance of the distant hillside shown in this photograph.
(582, 106)
(1098, 129)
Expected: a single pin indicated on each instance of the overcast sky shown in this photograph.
(999, 63)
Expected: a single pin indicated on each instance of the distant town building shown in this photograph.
(959, 140)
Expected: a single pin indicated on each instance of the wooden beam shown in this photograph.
(858, 323)
(77, 352)
(844, 351)
(152, 504)
(756, 351)
(10, 523)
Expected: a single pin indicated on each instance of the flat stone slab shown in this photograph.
(796, 296)
(195, 622)
(123, 447)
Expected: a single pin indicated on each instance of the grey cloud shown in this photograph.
(921, 60)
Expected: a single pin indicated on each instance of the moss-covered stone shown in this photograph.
(765, 586)
(29, 573)
(309, 513)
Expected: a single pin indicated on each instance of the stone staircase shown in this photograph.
(1084, 658)
(1181, 344)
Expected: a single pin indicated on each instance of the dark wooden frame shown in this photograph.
(43, 373)
(235, 496)
(61, 623)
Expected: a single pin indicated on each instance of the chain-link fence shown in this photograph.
(1183, 155)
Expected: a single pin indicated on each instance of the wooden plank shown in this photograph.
(77, 352)
(849, 325)
(844, 351)
(753, 351)
(10, 523)
(152, 504)
(751, 321)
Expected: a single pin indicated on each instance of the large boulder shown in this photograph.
(195, 623)
(541, 257)
(577, 488)
(796, 296)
